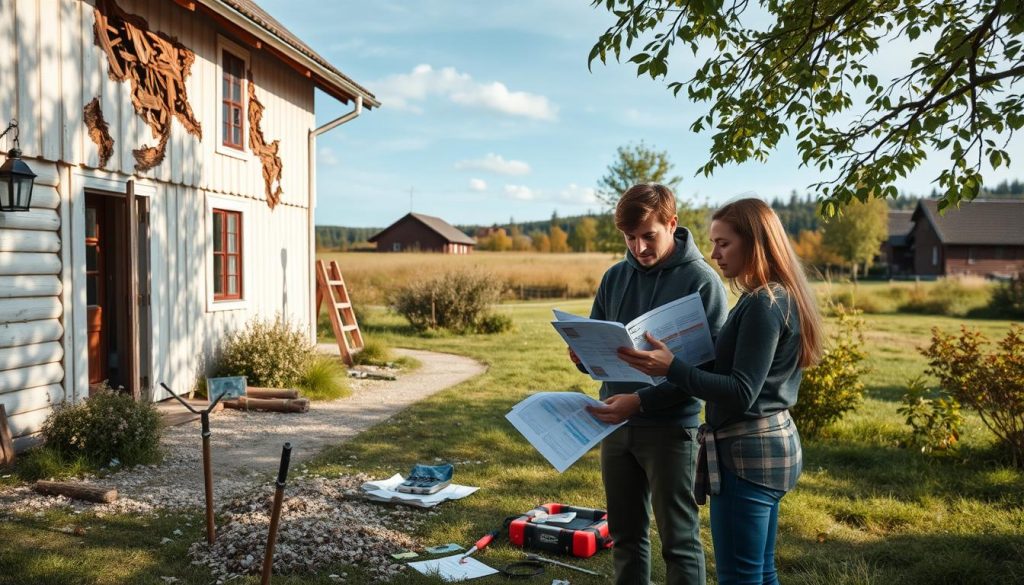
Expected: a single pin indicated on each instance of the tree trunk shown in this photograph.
(76, 491)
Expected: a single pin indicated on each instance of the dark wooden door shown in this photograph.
(95, 277)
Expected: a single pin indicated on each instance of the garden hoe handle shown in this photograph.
(275, 514)
(211, 531)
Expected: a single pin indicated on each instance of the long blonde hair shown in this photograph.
(771, 259)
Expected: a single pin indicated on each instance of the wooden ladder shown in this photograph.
(330, 287)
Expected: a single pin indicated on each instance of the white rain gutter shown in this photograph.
(311, 227)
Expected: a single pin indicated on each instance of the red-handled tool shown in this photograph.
(481, 544)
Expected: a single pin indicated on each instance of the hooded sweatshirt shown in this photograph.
(629, 290)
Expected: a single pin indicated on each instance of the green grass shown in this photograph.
(325, 379)
(866, 511)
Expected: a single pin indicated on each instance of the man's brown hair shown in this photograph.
(641, 201)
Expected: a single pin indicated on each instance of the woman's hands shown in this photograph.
(654, 362)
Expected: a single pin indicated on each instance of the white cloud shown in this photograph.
(496, 164)
(477, 185)
(326, 156)
(576, 194)
(495, 96)
(402, 90)
(519, 192)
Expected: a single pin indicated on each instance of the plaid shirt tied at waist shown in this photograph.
(765, 451)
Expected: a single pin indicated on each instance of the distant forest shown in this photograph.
(797, 214)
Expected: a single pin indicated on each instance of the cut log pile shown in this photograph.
(157, 65)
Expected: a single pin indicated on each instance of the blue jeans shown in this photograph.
(744, 520)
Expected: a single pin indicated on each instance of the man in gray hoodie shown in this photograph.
(651, 461)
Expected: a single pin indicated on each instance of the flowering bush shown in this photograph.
(274, 354)
(108, 427)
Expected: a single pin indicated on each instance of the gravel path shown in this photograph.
(246, 446)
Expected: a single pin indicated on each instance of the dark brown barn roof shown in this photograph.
(331, 77)
(900, 226)
(979, 222)
(443, 229)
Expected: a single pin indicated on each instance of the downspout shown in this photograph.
(311, 228)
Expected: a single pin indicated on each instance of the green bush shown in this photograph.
(833, 387)
(325, 378)
(934, 422)
(455, 301)
(272, 354)
(106, 427)
(950, 297)
(374, 353)
(494, 323)
(989, 383)
(1008, 299)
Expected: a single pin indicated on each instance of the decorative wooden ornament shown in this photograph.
(272, 166)
(99, 131)
(157, 65)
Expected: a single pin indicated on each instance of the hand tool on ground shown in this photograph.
(540, 559)
(275, 514)
(480, 544)
(204, 416)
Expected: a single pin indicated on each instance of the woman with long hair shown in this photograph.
(750, 449)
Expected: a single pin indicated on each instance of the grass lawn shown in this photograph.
(865, 511)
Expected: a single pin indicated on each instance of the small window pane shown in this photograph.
(236, 136)
(90, 222)
(91, 258)
(218, 275)
(232, 223)
(218, 230)
(232, 285)
(90, 290)
(236, 92)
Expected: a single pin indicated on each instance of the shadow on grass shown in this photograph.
(905, 559)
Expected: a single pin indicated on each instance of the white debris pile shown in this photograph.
(324, 522)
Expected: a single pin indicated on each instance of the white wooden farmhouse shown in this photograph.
(174, 143)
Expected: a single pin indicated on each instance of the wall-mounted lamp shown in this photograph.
(16, 178)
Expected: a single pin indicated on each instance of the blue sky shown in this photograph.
(490, 113)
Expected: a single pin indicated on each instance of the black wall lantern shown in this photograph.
(15, 177)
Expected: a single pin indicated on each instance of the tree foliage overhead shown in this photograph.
(804, 73)
(633, 164)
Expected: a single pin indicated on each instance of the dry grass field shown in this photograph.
(370, 275)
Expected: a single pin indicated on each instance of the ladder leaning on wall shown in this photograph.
(330, 287)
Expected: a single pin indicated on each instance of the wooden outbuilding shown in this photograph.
(981, 238)
(416, 232)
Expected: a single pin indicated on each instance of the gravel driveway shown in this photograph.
(246, 446)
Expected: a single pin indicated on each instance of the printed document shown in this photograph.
(682, 325)
(451, 569)
(558, 425)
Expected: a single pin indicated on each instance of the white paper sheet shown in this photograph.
(450, 569)
(558, 425)
(682, 325)
(384, 491)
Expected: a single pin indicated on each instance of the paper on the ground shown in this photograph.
(450, 569)
(558, 425)
(682, 325)
(384, 491)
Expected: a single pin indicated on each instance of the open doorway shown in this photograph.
(117, 299)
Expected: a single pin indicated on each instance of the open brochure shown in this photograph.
(558, 425)
(682, 325)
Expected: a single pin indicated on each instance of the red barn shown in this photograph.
(416, 232)
(982, 237)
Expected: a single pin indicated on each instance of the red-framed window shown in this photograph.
(227, 255)
(232, 114)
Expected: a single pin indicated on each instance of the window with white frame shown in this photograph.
(227, 255)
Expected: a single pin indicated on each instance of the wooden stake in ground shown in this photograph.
(78, 491)
(6, 442)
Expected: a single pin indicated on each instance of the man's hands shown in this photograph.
(654, 362)
(616, 409)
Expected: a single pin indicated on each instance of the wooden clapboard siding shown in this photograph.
(16, 334)
(27, 355)
(30, 286)
(32, 399)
